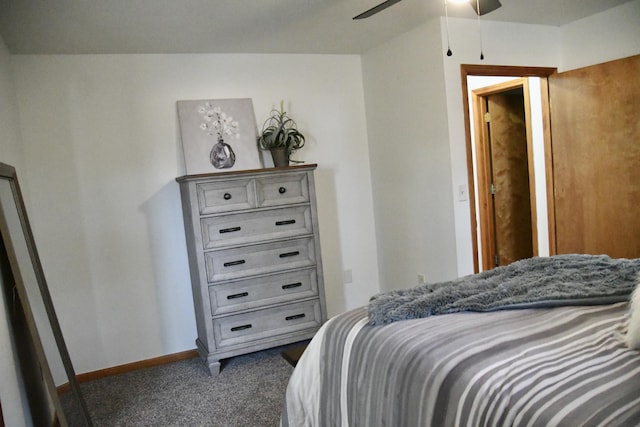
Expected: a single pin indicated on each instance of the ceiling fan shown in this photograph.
(485, 6)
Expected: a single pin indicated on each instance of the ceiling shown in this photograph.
(243, 26)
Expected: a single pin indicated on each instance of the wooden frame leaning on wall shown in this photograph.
(42, 356)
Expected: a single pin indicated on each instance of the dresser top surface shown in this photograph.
(229, 174)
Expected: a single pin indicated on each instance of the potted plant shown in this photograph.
(281, 137)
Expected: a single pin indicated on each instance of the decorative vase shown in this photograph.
(222, 155)
(280, 157)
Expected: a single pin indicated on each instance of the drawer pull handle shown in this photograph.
(287, 222)
(240, 295)
(230, 230)
(289, 254)
(282, 190)
(227, 196)
(292, 285)
(240, 328)
(232, 263)
(295, 316)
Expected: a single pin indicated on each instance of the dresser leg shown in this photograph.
(214, 367)
(210, 361)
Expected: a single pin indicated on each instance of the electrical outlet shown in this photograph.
(421, 279)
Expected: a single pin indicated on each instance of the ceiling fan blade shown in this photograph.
(382, 6)
(486, 6)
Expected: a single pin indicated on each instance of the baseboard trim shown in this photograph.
(135, 366)
(130, 367)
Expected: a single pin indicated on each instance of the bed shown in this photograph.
(535, 361)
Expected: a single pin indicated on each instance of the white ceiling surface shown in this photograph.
(243, 26)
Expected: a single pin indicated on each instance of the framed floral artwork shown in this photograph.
(218, 135)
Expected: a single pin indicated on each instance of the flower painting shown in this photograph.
(217, 121)
(218, 135)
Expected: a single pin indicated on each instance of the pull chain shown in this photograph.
(446, 14)
(480, 30)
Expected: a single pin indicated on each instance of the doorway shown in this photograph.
(505, 181)
(593, 171)
(484, 252)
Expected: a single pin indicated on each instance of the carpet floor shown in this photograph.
(249, 392)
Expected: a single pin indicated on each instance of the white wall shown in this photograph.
(609, 35)
(100, 140)
(10, 139)
(12, 396)
(408, 142)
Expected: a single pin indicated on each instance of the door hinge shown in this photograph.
(496, 259)
(487, 117)
(493, 188)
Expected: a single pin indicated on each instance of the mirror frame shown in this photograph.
(32, 298)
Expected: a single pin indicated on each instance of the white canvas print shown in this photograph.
(218, 135)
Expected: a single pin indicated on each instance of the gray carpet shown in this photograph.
(248, 392)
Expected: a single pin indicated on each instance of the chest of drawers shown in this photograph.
(254, 257)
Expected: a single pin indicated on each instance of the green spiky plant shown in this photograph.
(280, 132)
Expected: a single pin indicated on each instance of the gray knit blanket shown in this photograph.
(531, 283)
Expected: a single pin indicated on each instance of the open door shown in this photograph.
(595, 127)
(506, 195)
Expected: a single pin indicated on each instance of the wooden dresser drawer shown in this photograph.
(262, 291)
(283, 189)
(242, 228)
(226, 196)
(235, 263)
(263, 324)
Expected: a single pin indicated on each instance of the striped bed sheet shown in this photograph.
(563, 366)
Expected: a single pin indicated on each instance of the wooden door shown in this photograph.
(506, 196)
(510, 172)
(595, 122)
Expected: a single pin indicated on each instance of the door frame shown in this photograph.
(486, 208)
(508, 71)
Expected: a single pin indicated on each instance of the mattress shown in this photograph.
(561, 366)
